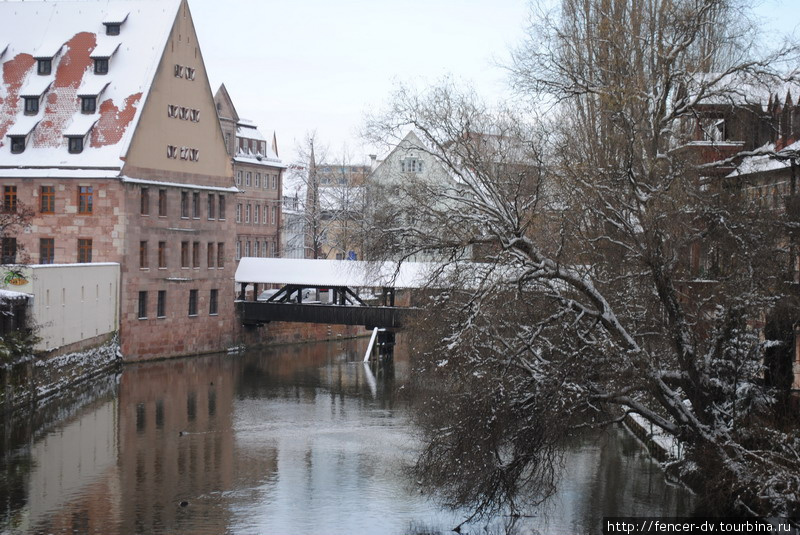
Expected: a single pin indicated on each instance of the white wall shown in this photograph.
(72, 302)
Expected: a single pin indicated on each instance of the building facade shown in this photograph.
(259, 177)
(109, 137)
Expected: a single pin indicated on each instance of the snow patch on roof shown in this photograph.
(80, 126)
(766, 162)
(24, 125)
(105, 49)
(35, 86)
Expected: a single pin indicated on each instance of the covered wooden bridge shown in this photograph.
(302, 281)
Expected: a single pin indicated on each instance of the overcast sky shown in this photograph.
(294, 66)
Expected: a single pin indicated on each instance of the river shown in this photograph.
(301, 439)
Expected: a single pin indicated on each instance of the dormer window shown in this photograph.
(75, 145)
(101, 66)
(44, 66)
(114, 20)
(17, 144)
(31, 105)
(88, 104)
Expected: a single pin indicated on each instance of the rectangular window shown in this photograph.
(184, 254)
(48, 199)
(238, 178)
(258, 180)
(85, 200)
(196, 205)
(162, 254)
(185, 204)
(196, 254)
(142, 305)
(247, 178)
(266, 211)
(74, 145)
(101, 66)
(210, 255)
(239, 213)
(84, 250)
(222, 207)
(213, 303)
(88, 104)
(247, 248)
(274, 181)
(9, 251)
(255, 214)
(247, 213)
(255, 248)
(31, 105)
(161, 311)
(162, 203)
(193, 302)
(47, 251)
(144, 204)
(265, 253)
(274, 214)
(10, 198)
(142, 254)
(212, 205)
(274, 246)
(17, 144)
(238, 250)
(44, 66)
(220, 255)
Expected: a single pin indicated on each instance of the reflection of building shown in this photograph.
(258, 172)
(176, 442)
(108, 135)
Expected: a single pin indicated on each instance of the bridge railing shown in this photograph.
(253, 313)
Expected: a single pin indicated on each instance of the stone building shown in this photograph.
(259, 175)
(108, 134)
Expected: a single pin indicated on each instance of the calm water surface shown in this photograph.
(293, 440)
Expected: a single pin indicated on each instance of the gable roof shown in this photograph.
(74, 32)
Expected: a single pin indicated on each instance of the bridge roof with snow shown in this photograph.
(333, 273)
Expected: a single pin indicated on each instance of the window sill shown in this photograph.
(144, 269)
(163, 268)
(192, 315)
(217, 314)
(143, 318)
(161, 317)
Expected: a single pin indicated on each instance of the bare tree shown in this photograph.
(584, 309)
(330, 201)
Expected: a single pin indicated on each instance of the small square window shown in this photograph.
(75, 145)
(31, 105)
(88, 104)
(101, 66)
(113, 29)
(44, 66)
(17, 144)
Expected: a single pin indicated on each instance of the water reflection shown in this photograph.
(299, 439)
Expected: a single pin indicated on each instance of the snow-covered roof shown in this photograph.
(323, 273)
(36, 86)
(92, 87)
(80, 125)
(76, 29)
(742, 89)
(106, 48)
(161, 183)
(772, 160)
(23, 126)
(116, 15)
(255, 160)
(8, 295)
